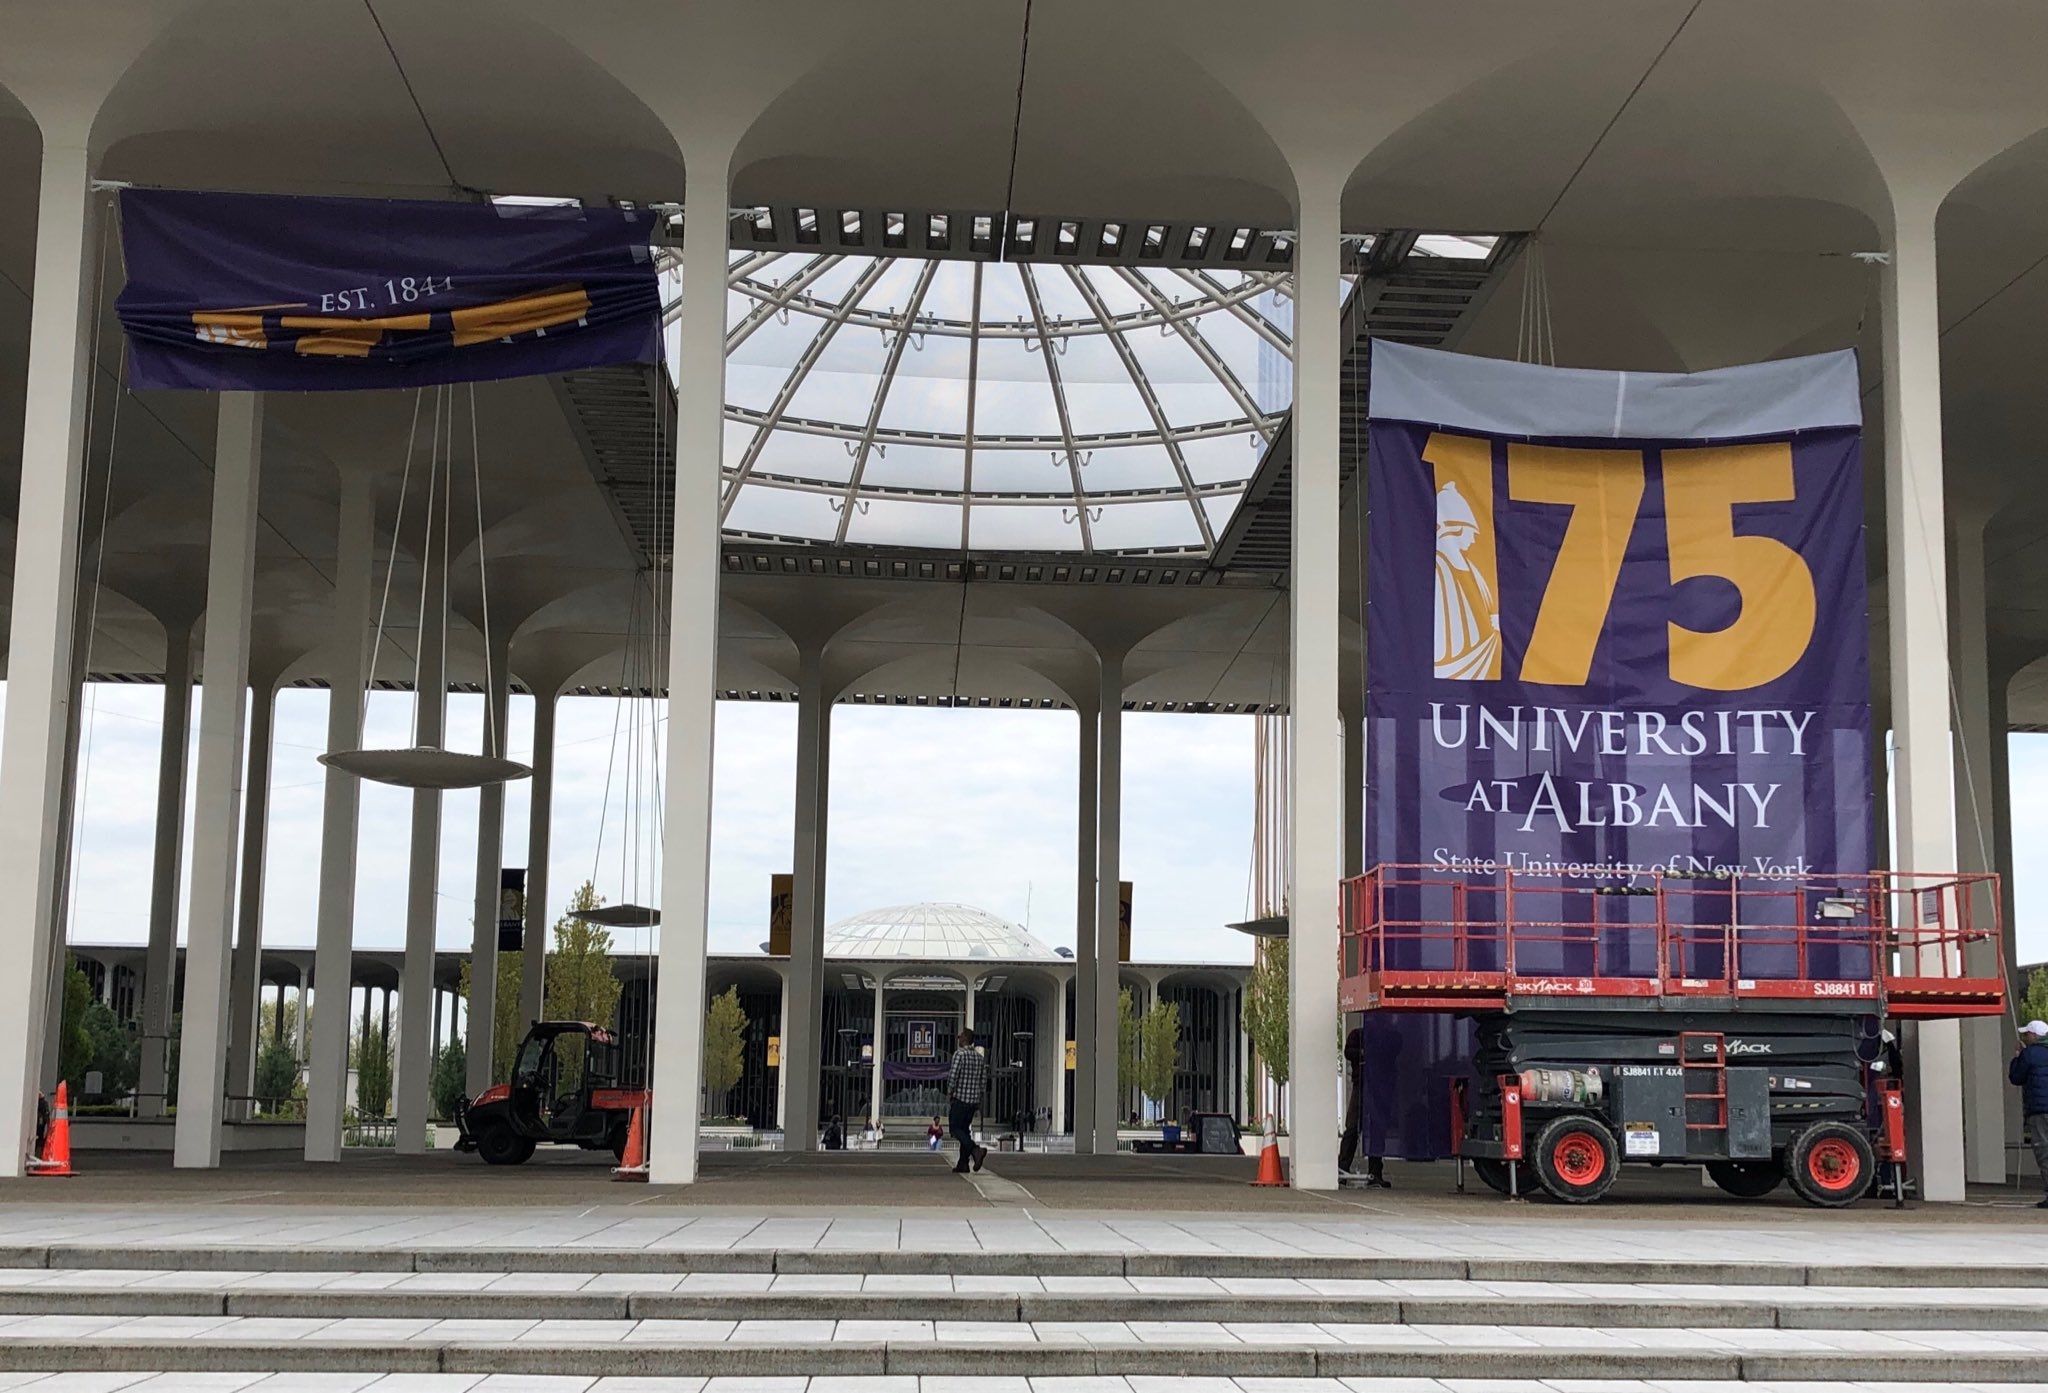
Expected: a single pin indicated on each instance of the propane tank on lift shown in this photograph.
(1580, 1086)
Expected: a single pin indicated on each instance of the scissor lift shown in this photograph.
(1728, 1021)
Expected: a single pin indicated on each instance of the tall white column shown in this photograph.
(782, 1056)
(1108, 901)
(1916, 590)
(692, 672)
(327, 1065)
(539, 826)
(67, 827)
(217, 794)
(490, 860)
(801, 1027)
(1315, 802)
(304, 1019)
(1086, 1044)
(416, 973)
(39, 686)
(881, 1039)
(1354, 794)
(244, 986)
(1986, 1040)
(160, 969)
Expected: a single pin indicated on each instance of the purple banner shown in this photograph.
(1596, 656)
(261, 292)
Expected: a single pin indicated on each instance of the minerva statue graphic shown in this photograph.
(1467, 610)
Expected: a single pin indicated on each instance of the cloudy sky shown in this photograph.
(973, 806)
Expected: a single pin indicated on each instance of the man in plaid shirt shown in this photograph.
(967, 1083)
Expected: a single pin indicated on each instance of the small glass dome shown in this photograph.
(934, 932)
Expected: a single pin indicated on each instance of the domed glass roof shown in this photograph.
(933, 932)
(997, 406)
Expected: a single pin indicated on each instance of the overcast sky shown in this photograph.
(972, 806)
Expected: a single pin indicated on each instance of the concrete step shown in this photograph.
(484, 1257)
(274, 1382)
(1098, 1300)
(593, 1349)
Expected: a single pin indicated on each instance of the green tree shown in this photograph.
(725, 1038)
(277, 1075)
(1158, 1050)
(507, 1027)
(372, 1059)
(1126, 1041)
(581, 985)
(2034, 1005)
(1265, 1007)
(450, 1078)
(74, 1046)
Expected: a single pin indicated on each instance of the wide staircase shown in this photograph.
(335, 1316)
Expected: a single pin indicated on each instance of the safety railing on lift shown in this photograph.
(1910, 943)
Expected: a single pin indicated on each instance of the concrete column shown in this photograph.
(540, 824)
(802, 1024)
(246, 989)
(1315, 803)
(1986, 1040)
(782, 1056)
(692, 671)
(160, 969)
(39, 668)
(301, 1026)
(1916, 587)
(67, 824)
(217, 793)
(327, 1065)
(490, 860)
(967, 1007)
(881, 1041)
(1108, 848)
(1354, 793)
(416, 974)
(1086, 1045)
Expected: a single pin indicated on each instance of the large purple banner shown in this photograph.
(1616, 624)
(261, 292)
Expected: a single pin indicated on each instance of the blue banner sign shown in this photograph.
(262, 292)
(1616, 625)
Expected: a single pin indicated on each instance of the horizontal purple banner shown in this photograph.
(263, 292)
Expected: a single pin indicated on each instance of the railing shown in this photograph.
(1912, 944)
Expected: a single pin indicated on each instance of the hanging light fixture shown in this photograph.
(423, 765)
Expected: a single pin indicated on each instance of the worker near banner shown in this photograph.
(2029, 1073)
(1354, 1115)
(967, 1085)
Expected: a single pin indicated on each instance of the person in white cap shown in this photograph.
(2029, 1073)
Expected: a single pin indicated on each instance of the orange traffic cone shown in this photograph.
(633, 1165)
(56, 1157)
(1269, 1159)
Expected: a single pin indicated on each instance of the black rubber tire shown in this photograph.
(1494, 1175)
(1830, 1164)
(1575, 1158)
(1746, 1180)
(499, 1145)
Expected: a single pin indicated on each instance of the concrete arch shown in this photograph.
(270, 128)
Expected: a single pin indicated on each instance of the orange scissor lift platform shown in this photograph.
(1725, 1021)
(1893, 943)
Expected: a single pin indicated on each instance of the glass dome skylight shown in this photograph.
(995, 406)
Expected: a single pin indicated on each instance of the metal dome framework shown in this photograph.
(934, 932)
(997, 406)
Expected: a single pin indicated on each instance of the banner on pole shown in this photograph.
(511, 909)
(1616, 623)
(266, 292)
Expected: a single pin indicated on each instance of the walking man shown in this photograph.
(2029, 1073)
(1354, 1116)
(967, 1085)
